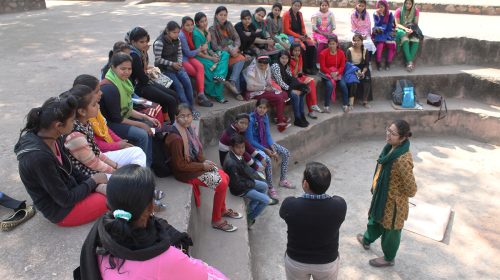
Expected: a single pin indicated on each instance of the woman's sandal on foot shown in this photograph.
(224, 226)
(230, 213)
(380, 262)
(361, 240)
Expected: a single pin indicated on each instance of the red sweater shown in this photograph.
(327, 60)
(287, 25)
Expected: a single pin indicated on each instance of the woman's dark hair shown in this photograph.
(55, 109)
(293, 46)
(237, 139)
(220, 9)
(318, 176)
(275, 5)
(403, 128)
(335, 39)
(131, 189)
(119, 46)
(262, 101)
(119, 58)
(245, 13)
(324, 1)
(295, 1)
(86, 80)
(363, 14)
(285, 53)
(362, 2)
(182, 106)
(82, 95)
(198, 16)
(186, 19)
(260, 9)
(137, 34)
(242, 116)
(171, 26)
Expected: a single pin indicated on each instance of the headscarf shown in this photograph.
(126, 89)
(386, 9)
(407, 17)
(381, 178)
(100, 127)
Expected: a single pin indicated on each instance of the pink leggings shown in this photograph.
(195, 69)
(85, 211)
(391, 51)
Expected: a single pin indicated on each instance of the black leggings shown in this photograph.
(166, 97)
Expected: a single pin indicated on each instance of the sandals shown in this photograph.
(272, 193)
(239, 97)
(225, 226)
(230, 213)
(286, 184)
(410, 67)
(19, 217)
(380, 262)
(361, 240)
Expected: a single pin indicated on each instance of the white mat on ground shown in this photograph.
(418, 107)
(427, 219)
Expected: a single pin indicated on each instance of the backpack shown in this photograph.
(398, 93)
(160, 163)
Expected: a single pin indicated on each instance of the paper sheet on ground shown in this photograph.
(427, 219)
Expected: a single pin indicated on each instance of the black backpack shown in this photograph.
(160, 164)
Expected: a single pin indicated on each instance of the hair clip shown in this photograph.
(122, 214)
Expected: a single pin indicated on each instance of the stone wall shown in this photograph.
(425, 7)
(13, 6)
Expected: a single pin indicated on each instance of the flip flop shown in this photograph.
(19, 217)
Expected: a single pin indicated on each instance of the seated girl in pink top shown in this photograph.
(129, 242)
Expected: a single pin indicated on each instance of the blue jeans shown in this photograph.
(298, 105)
(258, 199)
(329, 88)
(137, 136)
(235, 74)
(182, 85)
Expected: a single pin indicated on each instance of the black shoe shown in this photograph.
(379, 66)
(387, 66)
(299, 123)
(304, 120)
(204, 102)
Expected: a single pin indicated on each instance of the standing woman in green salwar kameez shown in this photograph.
(392, 186)
(215, 63)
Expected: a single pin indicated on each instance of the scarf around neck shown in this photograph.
(380, 185)
(191, 143)
(147, 243)
(407, 17)
(189, 39)
(222, 32)
(126, 89)
(260, 25)
(261, 128)
(100, 127)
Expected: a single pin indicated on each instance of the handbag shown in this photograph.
(163, 80)
(438, 101)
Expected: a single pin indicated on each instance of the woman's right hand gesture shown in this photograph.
(100, 178)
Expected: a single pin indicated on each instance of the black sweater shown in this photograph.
(240, 175)
(246, 41)
(54, 188)
(313, 228)
(110, 103)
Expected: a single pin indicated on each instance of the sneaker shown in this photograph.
(316, 108)
(203, 101)
(312, 115)
(224, 226)
(345, 108)
(327, 110)
(381, 262)
(272, 193)
(286, 184)
(196, 115)
(230, 213)
(304, 120)
(351, 107)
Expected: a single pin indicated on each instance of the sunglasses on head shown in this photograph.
(263, 61)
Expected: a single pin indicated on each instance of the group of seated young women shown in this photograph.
(72, 145)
